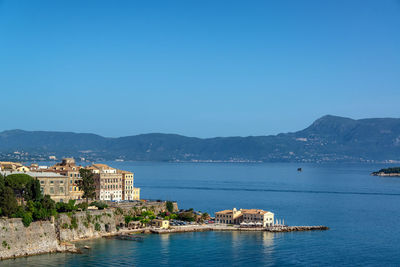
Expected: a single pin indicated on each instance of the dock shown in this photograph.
(203, 228)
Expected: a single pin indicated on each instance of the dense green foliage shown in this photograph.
(86, 184)
(186, 216)
(8, 202)
(25, 189)
(66, 207)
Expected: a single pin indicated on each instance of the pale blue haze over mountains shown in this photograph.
(196, 68)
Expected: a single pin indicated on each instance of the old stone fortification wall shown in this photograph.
(46, 236)
(87, 224)
(17, 240)
(98, 223)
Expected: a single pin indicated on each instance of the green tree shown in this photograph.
(8, 202)
(33, 191)
(170, 206)
(205, 216)
(19, 183)
(86, 184)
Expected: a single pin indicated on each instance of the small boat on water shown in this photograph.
(130, 238)
(86, 247)
(299, 169)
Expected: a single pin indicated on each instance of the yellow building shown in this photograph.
(136, 193)
(22, 169)
(164, 224)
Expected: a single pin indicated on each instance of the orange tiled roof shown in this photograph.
(124, 172)
(224, 212)
(254, 211)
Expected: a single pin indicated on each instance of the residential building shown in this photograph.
(9, 166)
(129, 192)
(51, 183)
(255, 217)
(69, 168)
(108, 182)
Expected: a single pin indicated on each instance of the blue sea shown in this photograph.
(363, 212)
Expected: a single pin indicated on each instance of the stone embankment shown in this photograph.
(203, 228)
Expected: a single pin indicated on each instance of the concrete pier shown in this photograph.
(203, 228)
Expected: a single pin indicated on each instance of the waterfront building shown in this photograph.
(51, 183)
(228, 216)
(255, 217)
(108, 182)
(68, 167)
(158, 223)
(258, 217)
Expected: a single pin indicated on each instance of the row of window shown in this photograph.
(52, 182)
(111, 180)
(51, 190)
(113, 186)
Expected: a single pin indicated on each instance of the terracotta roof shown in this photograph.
(254, 211)
(224, 212)
(101, 166)
(124, 172)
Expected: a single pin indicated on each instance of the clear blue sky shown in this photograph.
(198, 68)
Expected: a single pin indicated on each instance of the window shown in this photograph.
(52, 182)
(52, 190)
(61, 189)
(42, 182)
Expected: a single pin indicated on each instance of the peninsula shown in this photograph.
(388, 172)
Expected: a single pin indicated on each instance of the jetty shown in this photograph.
(204, 228)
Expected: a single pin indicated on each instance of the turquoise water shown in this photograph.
(363, 212)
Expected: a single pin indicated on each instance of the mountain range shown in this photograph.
(330, 138)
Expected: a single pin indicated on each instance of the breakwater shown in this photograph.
(203, 228)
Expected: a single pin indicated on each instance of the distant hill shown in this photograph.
(329, 138)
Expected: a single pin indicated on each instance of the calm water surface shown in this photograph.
(363, 212)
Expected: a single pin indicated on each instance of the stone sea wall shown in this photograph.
(87, 224)
(16, 240)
